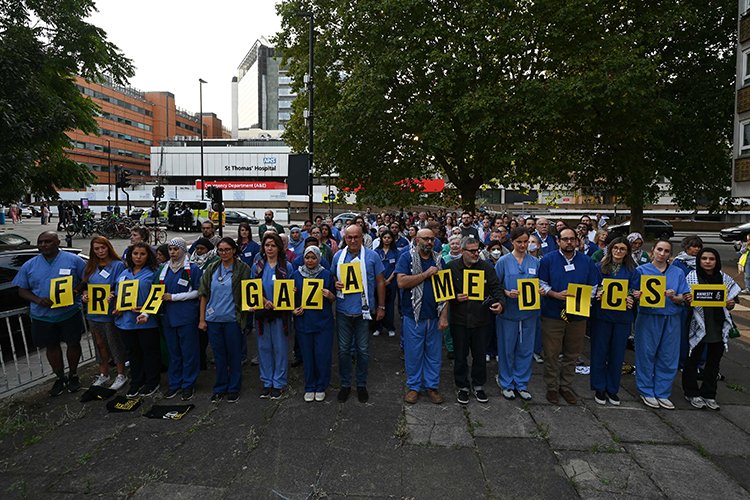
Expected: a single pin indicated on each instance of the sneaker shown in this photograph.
(171, 393)
(216, 397)
(712, 404)
(435, 396)
(665, 403)
(462, 396)
(275, 393)
(309, 397)
(613, 399)
(101, 379)
(58, 387)
(265, 393)
(480, 395)
(233, 397)
(696, 402)
(376, 333)
(133, 392)
(391, 333)
(344, 394)
(524, 394)
(508, 394)
(411, 397)
(74, 383)
(149, 391)
(362, 394)
(538, 358)
(600, 397)
(187, 394)
(120, 381)
(320, 396)
(650, 402)
(487, 358)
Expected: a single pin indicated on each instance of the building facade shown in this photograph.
(741, 149)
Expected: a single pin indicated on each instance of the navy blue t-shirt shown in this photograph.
(429, 306)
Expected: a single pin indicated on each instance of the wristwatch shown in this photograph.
(381, 307)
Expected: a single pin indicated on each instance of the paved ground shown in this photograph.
(60, 448)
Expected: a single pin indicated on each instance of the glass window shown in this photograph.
(745, 140)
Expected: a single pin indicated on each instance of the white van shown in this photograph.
(168, 210)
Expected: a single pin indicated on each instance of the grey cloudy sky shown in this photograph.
(173, 43)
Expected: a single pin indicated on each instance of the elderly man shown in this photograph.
(422, 340)
(471, 321)
(354, 311)
(548, 243)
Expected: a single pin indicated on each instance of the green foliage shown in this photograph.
(43, 44)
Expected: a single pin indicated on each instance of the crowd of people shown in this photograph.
(447, 283)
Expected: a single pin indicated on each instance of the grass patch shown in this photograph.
(402, 430)
(736, 387)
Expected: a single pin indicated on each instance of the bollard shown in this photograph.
(69, 241)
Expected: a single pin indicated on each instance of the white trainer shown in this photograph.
(665, 403)
(320, 396)
(712, 404)
(101, 379)
(309, 397)
(120, 380)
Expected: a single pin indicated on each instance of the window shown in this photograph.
(284, 116)
(745, 138)
(745, 67)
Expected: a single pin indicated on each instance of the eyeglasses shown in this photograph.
(224, 250)
(426, 238)
(473, 250)
(619, 249)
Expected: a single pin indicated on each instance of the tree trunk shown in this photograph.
(469, 194)
(636, 213)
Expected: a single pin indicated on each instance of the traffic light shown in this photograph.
(158, 192)
(217, 198)
(123, 179)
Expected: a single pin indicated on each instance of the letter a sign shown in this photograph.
(351, 275)
(283, 295)
(442, 286)
(528, 294)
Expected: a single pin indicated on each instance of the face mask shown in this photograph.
(532, 247)
(496, 254)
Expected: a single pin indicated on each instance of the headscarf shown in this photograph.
(634, 236)
(703, 277)
(304, 270)
(177, 264)
(636, 254)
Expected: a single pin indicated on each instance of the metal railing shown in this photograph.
(24, 365)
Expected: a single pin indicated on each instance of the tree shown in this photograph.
(44, 44)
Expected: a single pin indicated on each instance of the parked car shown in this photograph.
(735, 233)
(13, 241)
(237, 216)
(345, 217)
(652, 228)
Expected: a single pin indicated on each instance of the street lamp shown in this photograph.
(109, 174)
(201, 81)
(310, 113)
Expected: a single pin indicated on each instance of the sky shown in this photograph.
(174, 43)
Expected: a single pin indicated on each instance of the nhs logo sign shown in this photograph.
(269, 160)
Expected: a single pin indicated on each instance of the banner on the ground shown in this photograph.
(528, 294)
(154, 299)
(312, 293)
(98, 299)
(615, 294)
(283, 295)
(578, 301)
(474, 284)
(127, 295)
(252, 294)
(61, 292)
(442, 286)
(351, 276)
(653, 291)
(708, 295)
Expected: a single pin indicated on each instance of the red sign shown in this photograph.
(246, 185)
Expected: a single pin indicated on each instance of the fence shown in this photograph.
(22, 365)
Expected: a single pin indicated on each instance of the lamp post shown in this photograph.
(109, 174)
(201, 81)
(310, 107)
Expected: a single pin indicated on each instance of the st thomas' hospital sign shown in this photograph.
(220, 161)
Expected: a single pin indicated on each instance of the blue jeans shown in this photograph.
(226, 343)
(353, 331)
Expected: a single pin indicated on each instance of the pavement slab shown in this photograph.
(632, 422)
(177, 491)
(500, 418)
(572, 428)
(680, 472)
(710, 431)
(607, 475)
(738, 415)
(523, 468)
(457, 474)
(737, 468)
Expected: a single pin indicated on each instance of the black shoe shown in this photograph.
(171, 393)
(451, 355)
(216, 397)
(344, 394)
(480, 395)
(462, 396)
(265, 393)
(58, 387)
(133, 392)
(187, 394)
(613, 399)
(275, 393)
(149, 391)
(296, 362)
(600, 397)
(233, 397)
(362, 394)
(74, 383)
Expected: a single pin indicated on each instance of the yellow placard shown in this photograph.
(61, 292)
(283, 295)
(528, 294)
(653, 291)
(615, 294)
(252, 294)
(312, 293)
(154, 299)
(442, 286)
(474, 284)
(708, 295)
(578, 301)
(127, 295)
(351, 276)
(98, 299)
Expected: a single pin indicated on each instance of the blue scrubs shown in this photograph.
(248, 251)
(422, 340)
(273, 344)
(35, 275)
(106, 275)
(549, 244)
(516, 330)
(179, 320)
(609, 337)
(657, 338)
(224, 332)
(127, 319)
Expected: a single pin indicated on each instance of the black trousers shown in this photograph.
(710, 372)
(467, 340)
(144, 353)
